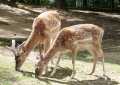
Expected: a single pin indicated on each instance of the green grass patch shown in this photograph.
(115, 67)
(85, 56)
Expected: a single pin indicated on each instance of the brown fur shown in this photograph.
(43, 26)
(75, 38)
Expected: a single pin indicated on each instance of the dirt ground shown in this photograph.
(19, 21)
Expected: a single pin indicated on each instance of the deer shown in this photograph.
(44, 29)
(72, 39)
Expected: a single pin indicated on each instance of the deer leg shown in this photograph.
(94, 65)
(102, 56)
(95, 59)
(40, 47)
(73, 69)
(73, 64)
(56, 65)
(50, 43)
(46, 46)
(104, 72)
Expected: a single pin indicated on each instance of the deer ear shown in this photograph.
(13, 50)
(20, 49)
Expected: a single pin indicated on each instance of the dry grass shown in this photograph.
(8, 76)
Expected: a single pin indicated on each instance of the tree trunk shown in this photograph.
(9, 2)
(61, 4)
(4, 1)
(12, 3)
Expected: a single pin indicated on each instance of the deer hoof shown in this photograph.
(73, 75)
(37, 73)
(17, 69)
(90, 73)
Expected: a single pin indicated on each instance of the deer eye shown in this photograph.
(17, 56)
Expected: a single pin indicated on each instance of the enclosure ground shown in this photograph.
(8, 76)
(19, 21)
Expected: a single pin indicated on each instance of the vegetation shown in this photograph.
(66, 4)
(8, 76)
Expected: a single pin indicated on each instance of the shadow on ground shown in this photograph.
(99, 81)
(75, 81)
(61, 73)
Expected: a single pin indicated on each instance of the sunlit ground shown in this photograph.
(8, 76)
(19, 21)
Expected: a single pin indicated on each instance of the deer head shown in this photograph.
(18, 52)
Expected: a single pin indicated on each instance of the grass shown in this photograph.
(115, 67)
(8, 76)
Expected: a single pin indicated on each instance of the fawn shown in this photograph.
(44, 29)
(75, 38)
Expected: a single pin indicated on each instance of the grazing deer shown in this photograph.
(44, 29)
(75, 38)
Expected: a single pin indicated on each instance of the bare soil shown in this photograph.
(19, 21)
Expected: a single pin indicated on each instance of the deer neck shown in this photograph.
(53, 49)
(31, 42)
(49, 55)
